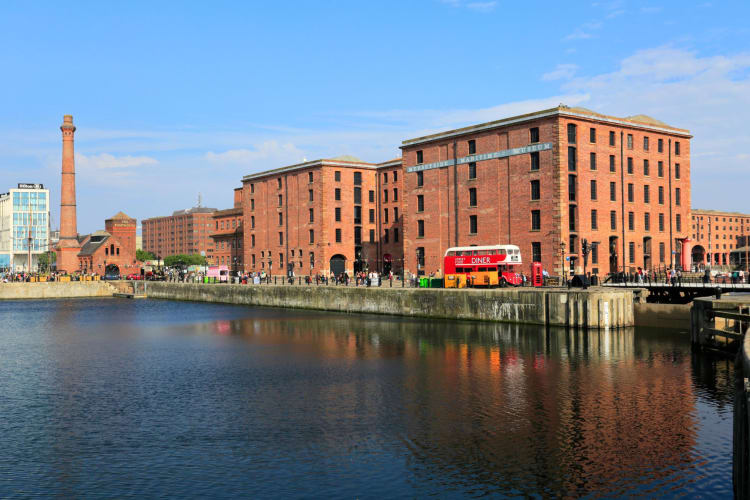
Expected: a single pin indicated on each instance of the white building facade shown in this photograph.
(24, 213)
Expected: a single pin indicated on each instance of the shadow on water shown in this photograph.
(190, 399)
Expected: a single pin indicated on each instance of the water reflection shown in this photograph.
(273, 402)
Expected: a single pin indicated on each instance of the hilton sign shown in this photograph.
(23, 185)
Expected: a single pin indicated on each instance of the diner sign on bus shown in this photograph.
(544, 146)
(479, 260)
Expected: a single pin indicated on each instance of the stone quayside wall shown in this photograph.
(55, 290)
(555, 307)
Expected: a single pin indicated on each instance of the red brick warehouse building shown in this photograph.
(184, 232)
(227, 236)
(545, 181)
(330, 215)
(720, 238)
(111, 250)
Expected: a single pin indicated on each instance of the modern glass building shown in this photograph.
(24, 214)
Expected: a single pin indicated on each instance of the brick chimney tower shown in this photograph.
(68, 247)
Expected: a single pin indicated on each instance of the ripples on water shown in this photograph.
(120, 398)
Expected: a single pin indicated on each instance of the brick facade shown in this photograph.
(505, 210)
(184, 232)
(228, 239)
(719, 237)
(110, 250)
(317, 217)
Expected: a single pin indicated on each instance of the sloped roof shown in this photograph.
(99, 237)
(120, 216)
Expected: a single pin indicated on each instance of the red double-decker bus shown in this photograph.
(498, 263)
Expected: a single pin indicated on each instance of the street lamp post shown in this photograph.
(562, 263)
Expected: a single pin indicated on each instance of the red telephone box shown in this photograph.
(536, 274)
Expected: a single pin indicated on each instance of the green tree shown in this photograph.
(46, 260)
(184, 260)
(143, 255)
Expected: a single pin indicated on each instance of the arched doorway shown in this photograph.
(698, 255)
(112, 270)
(337, 264)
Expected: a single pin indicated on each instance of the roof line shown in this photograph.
(536, 115)
(308, 164)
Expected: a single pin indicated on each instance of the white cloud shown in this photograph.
(108, 161)
(710, 95)
(267, 155)
(476, 6)
(561, 72)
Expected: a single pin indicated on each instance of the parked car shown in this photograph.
(135, 277)
(112, 276)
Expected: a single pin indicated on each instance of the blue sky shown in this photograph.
(176, 98)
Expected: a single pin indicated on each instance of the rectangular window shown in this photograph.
(337, 194)
(631, 221)
(395, 194)
(571, 158)
(661, 252)
(395, 235)
(310, 177)
(312, 236)
(536, 220)
(594, 221)
(385, 177)
(592, 135)
(420, 229)
(613, 220)
(572, 217)
(630, 141)
(252, 188)
(571, 188)
(420, 157)
(358, 215)
(281, 198)
(536, 251)
(337, 214)
(472, 147)
(420, 203)
(472, 197)
(281, 238)
(357, 178)
(420, 179)
(660, 145)
(571, 133)
(592, 161)
(372, 236)
(372, 216)
(677, 197)
(472, 170)
(358, 195)
(357, 235)
(278, 182)
(677, 148)
(631, 252)
(534, 134)
(647, 221)
(645, 143)
(593, 189)
(281, 219)
(612, 163)
(646, 194)
(631, 195)
(661, 222)
(385, 215)
(611, 138)
(252, 240)
(612, 191)
(337, 176)
(535, 190)
(645, 167)
(594, 254)
(534, 160)
(395, 176)
(310, 194)
(678, 224)
(630, 165)
(661, 195)
(312, 215)
(395, 214)
(660, 169)
(676, 170)
(385, 196)
(473, 224)
(253, 259)
(252, 222)
(338, 235)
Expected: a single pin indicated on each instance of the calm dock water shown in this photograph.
(118, 398)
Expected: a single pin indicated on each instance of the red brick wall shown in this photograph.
(718, 233)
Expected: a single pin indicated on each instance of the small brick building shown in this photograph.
(719, 238)
(227, 236)
(112, 250)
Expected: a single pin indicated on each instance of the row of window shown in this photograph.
(573, 164)
(630, 193)
(263, 256)
(573, 139)
(573, 220)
